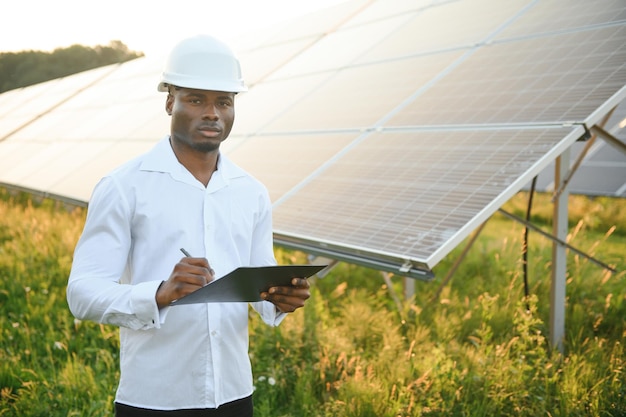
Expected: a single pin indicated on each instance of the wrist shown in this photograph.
(158, 296)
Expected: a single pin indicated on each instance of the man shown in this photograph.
(187, 359)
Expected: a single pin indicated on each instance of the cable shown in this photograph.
(525, 243)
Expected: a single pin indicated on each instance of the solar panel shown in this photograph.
(362, 94)
(339, 49)
(84, 174)
(269, 101)
(548, 17)
(561, 78)
(259, 62)
(20, 107)
(269, 50)
(281, 162)
(441, 27)
(386, 131)
(410, 193)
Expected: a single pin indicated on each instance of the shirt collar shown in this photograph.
(162, 159)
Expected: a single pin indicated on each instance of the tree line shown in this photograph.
(21, 69)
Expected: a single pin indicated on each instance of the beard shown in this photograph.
(205, 146)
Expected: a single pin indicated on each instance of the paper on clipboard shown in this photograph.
(245, 284)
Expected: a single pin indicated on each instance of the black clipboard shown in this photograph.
(245, 284)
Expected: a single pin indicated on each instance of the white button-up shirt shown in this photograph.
(139, 216)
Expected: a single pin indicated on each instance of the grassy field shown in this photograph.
(470, 346)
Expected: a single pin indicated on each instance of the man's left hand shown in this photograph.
(288, 298)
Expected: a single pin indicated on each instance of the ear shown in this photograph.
(169, 103)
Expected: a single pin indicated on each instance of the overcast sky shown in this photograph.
(149, 26)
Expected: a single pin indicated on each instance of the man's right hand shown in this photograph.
(188, 275)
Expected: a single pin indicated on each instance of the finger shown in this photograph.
(291, 291)
(286, 299)
(201, 262)
(185, 282)
(285, 304)
(200, 268)
(199, 278)
(300, 282)
(298, 286)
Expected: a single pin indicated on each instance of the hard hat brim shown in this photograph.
(217, 86)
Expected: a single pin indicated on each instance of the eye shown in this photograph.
(225, 103)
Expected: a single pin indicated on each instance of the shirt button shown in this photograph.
(213, 333)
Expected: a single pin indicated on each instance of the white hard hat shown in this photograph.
(204, 63)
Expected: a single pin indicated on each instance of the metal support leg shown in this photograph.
(409, 288)
(559, 258)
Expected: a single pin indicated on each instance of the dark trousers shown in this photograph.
(238, 408)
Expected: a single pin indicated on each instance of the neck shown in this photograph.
(202, 165)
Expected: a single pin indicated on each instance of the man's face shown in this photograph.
(201, 119)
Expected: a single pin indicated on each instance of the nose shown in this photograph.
(210, 112)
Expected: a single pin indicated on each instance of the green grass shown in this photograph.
(464, 347)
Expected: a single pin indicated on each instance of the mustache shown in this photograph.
(210, 126)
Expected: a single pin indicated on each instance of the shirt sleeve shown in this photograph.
(269, 313)
(95, 291)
